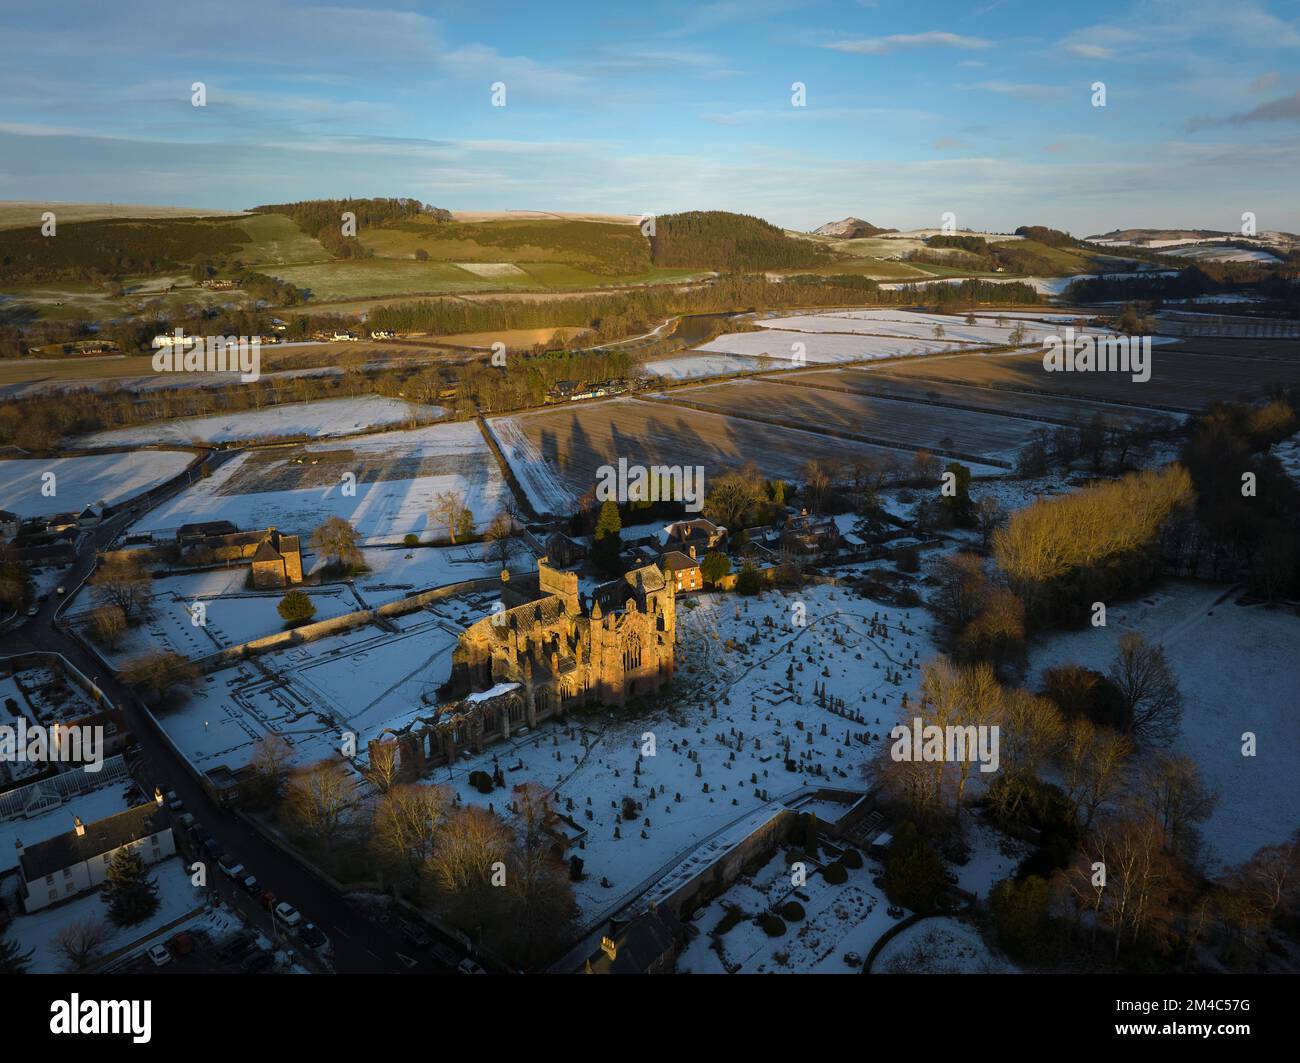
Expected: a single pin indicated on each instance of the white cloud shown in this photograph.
(905, 41)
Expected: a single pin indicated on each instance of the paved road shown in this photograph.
(360, 945)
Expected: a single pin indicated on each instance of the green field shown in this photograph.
(277, 240)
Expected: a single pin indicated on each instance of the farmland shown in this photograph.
(397, 475)
(891, 421)
(43, 486)
(556, 453)
(1006, 403)
(1180, 379)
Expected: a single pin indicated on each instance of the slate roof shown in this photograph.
(102, 836)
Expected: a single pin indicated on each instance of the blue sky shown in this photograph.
(983, 107)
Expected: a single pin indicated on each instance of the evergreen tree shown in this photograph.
(296, 608)
(608, 540)
(714, 567)
(130, 894)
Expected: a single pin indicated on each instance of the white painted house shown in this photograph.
(71, 863)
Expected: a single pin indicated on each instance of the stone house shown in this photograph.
(277, 561)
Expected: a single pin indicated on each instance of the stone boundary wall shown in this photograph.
(336, 624)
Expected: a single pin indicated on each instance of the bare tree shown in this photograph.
(449, 509)
(338, 540)
(80, 942)
(499, 539)
(989, 514)
(122, 579)
(318, 799)
(407, 822)
(269, 763)
(1151, 696)
(382, 770)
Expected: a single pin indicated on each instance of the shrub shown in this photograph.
(852, 859)
(296, 608)
(772, 924)
(733, 916)
(835, 874)
(914, 872)
(481, 781)
(792, 912)
(410, 539)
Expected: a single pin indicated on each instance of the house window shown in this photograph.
(67, 872)
(49, 880)
(54, 895)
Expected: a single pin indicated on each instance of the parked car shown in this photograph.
(32, 610)
(267, 900)
(250, 885)
(445, 956)
(287, 914)
(60, 589)
(186, 820)
(181, 944)
(256, 961)
(230, 867)
(160, 956)
(314, 938)
(174, 802)
(235, 948)
(414, 933)
(213, 848)
(468, 966)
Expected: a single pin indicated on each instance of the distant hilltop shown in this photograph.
(850, 229)
(1157, 238)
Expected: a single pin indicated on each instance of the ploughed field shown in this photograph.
(956, 433)
(980, 399)
(555, 454)
(1180, 379)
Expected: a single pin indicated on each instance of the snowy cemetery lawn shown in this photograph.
(84, 481)
(177, 897)
(1236, 668)
(838, 920)
(327, 417)
(296, 488)
(590, 761)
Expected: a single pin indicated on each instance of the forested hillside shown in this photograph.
(97, 250)
(715, 239)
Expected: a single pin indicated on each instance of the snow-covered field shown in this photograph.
(397, 476)
(916, 325)
(1222, 253)
(330, 417)
(1236, 667)
(695, 365)
(542, 483)
(79, 482)
(822, 342)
